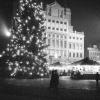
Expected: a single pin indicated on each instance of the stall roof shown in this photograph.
(86, 61)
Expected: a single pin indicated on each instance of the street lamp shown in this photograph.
(7, 32)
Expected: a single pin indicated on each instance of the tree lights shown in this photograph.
(24, 52)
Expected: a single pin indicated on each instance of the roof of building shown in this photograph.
(54, 3)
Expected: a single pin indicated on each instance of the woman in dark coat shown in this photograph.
(54, 79)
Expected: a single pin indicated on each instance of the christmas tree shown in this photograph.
(25, 51)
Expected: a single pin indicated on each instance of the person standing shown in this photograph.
(54, 79)
(97, 78)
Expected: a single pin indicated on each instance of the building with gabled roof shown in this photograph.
(94, 53)
(65, 44)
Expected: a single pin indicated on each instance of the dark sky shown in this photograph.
(85, 16)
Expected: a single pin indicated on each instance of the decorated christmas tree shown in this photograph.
(25, 51)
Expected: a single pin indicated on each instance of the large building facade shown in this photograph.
(94, 53)
(65, 44)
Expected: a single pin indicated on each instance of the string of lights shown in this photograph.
(24, 52)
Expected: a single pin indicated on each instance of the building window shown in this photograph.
(53, 21)
(73, 45)
(70, 54)
(49, 35)
(65, 37)
(49, 12)
(81, 55)
(48, 41)
(81, 46)
(57, 36)
(73, 54)
(77, 46)
(61, 22)
(53, 35)
(44, 34)
(61, 15)
(65, 23)
(61, 36)
(70, 45)
(49, 27)
(80, 38)
(53, 28)
(73, 37)
(65, 53)
(61, 52)
(53, 42)
(65, 44)
(70, 37)
(65, 30)
(57, 21)
(49, 20)
(61, 43)
(61, 29)
(57, 42)
(77, 54)
(57, 28)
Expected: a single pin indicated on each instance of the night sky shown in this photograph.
(85, 17)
